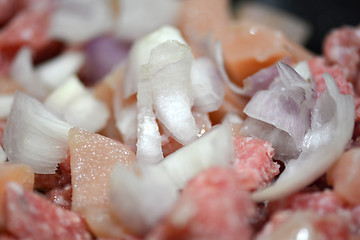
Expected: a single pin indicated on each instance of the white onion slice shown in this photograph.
(35, 136)
(2, 155)
(5, 105)
(286, 106)
(78, 105)
(77, 21)
(207, 86)
(332, 125)
(213, 148)
(55, 71)
(169, 72)
(126, 123)
(139, 17)
(23, 73)
(141, 198)
(148, 135)
(40, 81)
(140, 53)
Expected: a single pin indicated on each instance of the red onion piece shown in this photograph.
(102, 54)
(332, 124)
(286, 106)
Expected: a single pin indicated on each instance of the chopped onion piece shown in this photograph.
(41, 81)
(35, 136)
(332, 125)
(207, 86)
(169, 72)
(213, 148)
(142, 197)
(2, 155)
(140, 54)
(148, 135)
(5, 105)
(54, 72)
(126, 123)
(286, 106)
(78, 105)
(77, 21)
(23, 73)
(139, 17)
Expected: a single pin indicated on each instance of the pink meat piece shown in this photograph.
(7, 10)
(344, 220)
(61, 196)
(320, 202)
(289, 224)
(318, 67)
(29, 216)
(253, 162)
(28, 28)
(342, 46)
(213, 205)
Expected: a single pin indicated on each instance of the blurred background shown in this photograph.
(322, 15)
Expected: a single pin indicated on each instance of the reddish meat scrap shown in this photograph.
(305, 225)
(320, 202)
(342, 46)
(318, 67)
(28, 28)
(213, 205)
(29, 216)
(7, 10)
(253, 162)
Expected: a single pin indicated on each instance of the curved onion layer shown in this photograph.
(259, 81)
(23, 73)
(141, 197)
(54, 72)
(5, 105)
(148, 135)
(332, 123)
(79, 21)
(206, 84)
(169, 72)
(139, 17)
(35, 136)
(140, 53)
(286, 106)
(40, 81)
(2, 155)
(126, 123)
(78, 105)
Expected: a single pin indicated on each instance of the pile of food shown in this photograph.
(163, 119)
